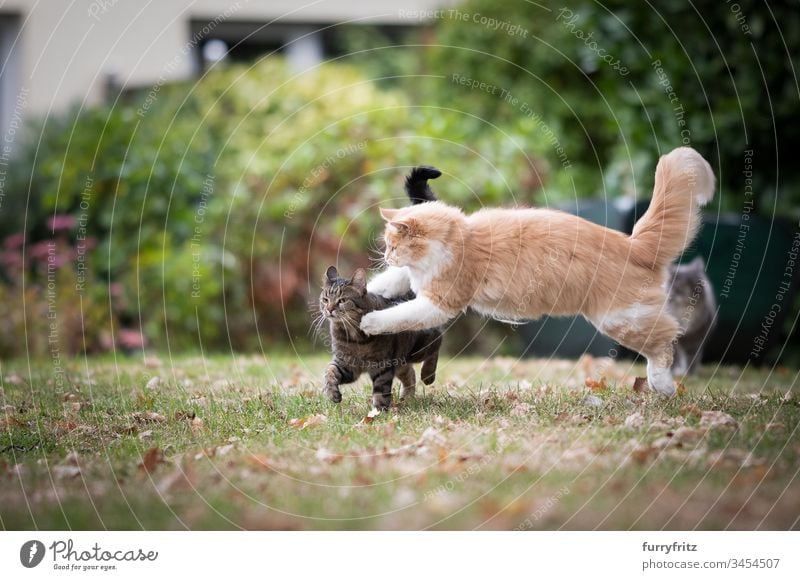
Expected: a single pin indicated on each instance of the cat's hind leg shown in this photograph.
(680, 363)
(429, 368)
(336, 374)
(649, 330)
(695, 361)
(408, 381)
(382, 387)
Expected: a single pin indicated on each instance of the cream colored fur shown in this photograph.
(516, 264)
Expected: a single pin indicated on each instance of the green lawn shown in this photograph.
(248, 442)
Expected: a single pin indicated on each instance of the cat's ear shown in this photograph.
(698, 264)
(331, 274)
(403, 228)
(359, 280)
(388, 214)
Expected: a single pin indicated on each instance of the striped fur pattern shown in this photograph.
(343, 302)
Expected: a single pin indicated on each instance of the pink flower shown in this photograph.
(14, 241)
(41, 250)
(61, 222)
(11, 260)
(129, 338)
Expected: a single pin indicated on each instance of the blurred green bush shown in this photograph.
(201, 215)
(212, 209)
(621, 83)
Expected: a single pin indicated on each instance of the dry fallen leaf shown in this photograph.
(328, 456)
(224, 449)
(200, 401)
(196, 424)
(640, 385)
(690, 410)
(63, 427)
(634, 421)
(66, 471)
(521, 409)
(688, 435)
(149, 417)
(717, 419)
(150, 460)
(182, 478)
(260, 461)
(597, 386)
(370, 417)
(431, 435)
(643, 452)
(309, 421)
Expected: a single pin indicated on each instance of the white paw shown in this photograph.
(371, 324)
(379, 289)
(660, 380)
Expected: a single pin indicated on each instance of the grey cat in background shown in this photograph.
(691, 302)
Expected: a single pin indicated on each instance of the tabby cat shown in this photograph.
(343, 302)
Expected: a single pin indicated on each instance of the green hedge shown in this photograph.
(212, 211)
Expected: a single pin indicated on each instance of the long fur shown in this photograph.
(517, 264)
(417, 186)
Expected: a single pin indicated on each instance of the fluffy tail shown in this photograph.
(417, 184)
(684, 182)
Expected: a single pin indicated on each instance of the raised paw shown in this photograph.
(371, 323)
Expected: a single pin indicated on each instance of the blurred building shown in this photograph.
(55, 54)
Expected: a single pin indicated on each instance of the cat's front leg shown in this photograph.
(417, 314)
(391, 282)
(336, 374)
(382, 387)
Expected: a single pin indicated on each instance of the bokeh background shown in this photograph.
(176, 176)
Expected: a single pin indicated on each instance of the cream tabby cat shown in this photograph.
(517, 264)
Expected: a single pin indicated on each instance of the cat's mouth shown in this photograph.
(344, 318)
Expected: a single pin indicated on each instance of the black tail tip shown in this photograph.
(423, 172)
(417, 186)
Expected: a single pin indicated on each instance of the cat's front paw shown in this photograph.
(333, 393)
(381, 402)
(371, 324)
(379, 288)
